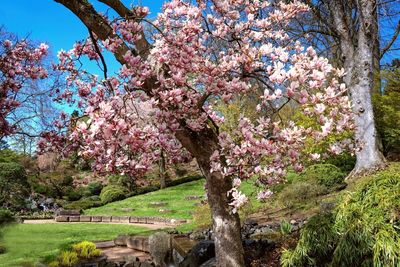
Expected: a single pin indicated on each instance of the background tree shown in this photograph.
(20, 62)
(356, 35)
(180, 74)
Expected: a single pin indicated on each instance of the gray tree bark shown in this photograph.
(359, 60)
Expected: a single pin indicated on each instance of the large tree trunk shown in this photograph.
(359, 59)
(226, 225)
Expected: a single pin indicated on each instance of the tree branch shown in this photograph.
(392, 40)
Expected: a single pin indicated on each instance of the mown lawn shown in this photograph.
(26, 244)
(175, 198)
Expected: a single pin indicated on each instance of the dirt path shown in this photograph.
(149, 226)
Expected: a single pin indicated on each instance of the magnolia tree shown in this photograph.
(201, 54)
(20, 62)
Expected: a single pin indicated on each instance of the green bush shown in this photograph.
(286, 227)
(345, 162)
(95, 188)
(73, 194)
(6, 216)
(327, 175)
(14, 187)
(363, 230)
(86, 249)
(123, 181)
(112, 193)
(300, 192)
(84, 203)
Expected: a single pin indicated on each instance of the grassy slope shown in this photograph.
(27, 243)
(175, 197)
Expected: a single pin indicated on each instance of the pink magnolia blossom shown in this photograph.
(129, 124)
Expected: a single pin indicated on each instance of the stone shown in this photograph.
(106, 218)
(158, 204)
(160, 248)
(200, 253)
(193, 197)
(115, 219)
(133, 219)
(126, 209)
(293, 222)
(62, 218)
(142, 220)
(105, 244)
(69, 212)
(255, 249)
(138, 242)
(121, 240)
(124, 219)
(210, 263)
(164, 210)
(85, 218)
(96, 218)
(74, 218)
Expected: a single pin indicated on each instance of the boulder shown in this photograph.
(138, 242)
(160, 248)
(200, 253)
(121, 240)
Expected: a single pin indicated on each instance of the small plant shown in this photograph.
(86, 249)
(286, 228)
(112, 193)
(68, 258)
(53, 264)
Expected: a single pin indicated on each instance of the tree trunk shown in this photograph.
(359, 60)
(360, 81)
(163, 183)
(226, 225)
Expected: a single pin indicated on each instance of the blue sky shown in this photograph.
(50, 22)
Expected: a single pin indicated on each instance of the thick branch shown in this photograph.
(96, 23)
(142, 45)
(394, 37)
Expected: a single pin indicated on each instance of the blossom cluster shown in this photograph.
(19, 62)
(204, 53)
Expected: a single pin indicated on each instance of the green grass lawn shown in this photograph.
(174, 197)
(26, 244)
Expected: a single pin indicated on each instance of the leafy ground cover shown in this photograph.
(179, 201)
(26, 244)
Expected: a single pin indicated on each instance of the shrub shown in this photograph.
(13, 185)
(362, 231)
(68, 258)
(84, 203)
(327, 175)
(2, 249)
(6, 216)
(86, 249)
(300, 192)
(73, 195)
(53, 264)
(112, 193)
(95, 188)
(345, 162)
(123, 181)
